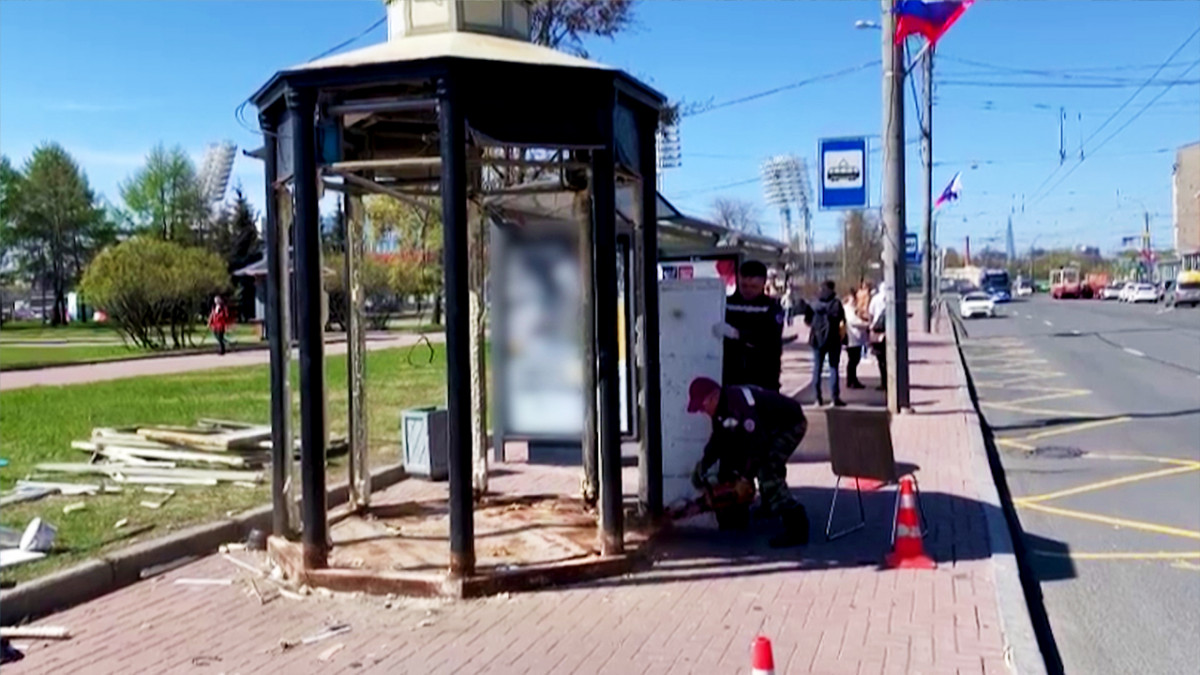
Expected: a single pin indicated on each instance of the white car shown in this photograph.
(976, 304)
(1024, 290)
(1112, 292)
(1126, 291)
(1143, 293)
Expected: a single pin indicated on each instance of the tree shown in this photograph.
(164, 197)
(155, 291)
(563, 24)
(739, 215)
(862, 245)
(952, 259)
(415, 232)
(53, 224)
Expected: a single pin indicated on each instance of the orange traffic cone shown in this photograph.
(908, 552)
(761, 660)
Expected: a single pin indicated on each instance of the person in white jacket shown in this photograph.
(878, 325)
(857, 332)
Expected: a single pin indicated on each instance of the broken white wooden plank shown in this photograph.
(71, 508)
(68, 489)
(245, 484)
(177, 456)
(10, 557)
(121, 523)
(26, 494)
(159, 491)
(166, 480)
(328, 653)
(138, 470)
(35, 633)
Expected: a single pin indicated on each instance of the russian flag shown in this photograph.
(952, 191)
(931, 18)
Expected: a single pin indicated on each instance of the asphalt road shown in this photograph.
(1095, 407)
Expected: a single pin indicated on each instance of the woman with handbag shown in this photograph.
(856, 333)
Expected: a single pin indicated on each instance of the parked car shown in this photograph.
(999, 295)
(1024, 290)
(1143, 293)
(1126, 291)
(1186, 290)
(1165, 287)
(976, 304)
(1112, 292)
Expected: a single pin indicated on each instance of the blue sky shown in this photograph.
(108, 80)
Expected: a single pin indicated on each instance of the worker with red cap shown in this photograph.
(755, 431)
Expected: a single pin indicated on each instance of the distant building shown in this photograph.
(1185, 202)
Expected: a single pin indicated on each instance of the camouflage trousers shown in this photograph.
(772, 470)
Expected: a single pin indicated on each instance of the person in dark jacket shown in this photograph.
(754, 433)
(753, 331)
(826, 319)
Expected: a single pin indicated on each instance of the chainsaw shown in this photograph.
(739, 492)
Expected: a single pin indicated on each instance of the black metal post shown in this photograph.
(451, 125)
(277, 339)
(607, 392)
(650, 462)
(307, 246)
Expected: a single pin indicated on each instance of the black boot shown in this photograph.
(795, 529)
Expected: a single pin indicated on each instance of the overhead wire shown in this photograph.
(1119, 110)
(1111, 136)
(775, 90)
(239, 113)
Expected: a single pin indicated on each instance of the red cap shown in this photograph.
(761, 659)
(698, 391)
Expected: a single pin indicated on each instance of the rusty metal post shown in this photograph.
(607, 392)
(356, 355)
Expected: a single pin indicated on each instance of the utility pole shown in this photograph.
(893, 213)
(927, 161)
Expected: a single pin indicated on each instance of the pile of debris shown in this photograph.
(212, 452)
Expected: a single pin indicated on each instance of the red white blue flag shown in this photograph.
(952, 191)
(931, 18)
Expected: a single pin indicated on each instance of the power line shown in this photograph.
(1107, 139)
(1035, 194)
(714, 188)
(239, 113)
(991, 84)
(770, 92)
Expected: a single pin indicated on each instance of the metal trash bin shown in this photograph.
(425, 443)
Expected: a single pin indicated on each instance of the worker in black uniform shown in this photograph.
(754, 432)
(753, 331)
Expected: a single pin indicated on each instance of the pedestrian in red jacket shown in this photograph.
(219, 321)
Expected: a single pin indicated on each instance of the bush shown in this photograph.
(155, 292)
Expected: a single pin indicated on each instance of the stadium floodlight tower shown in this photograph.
(214, 173)
(785, 183)
(668, 149)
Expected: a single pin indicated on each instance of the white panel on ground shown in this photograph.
(688, 348)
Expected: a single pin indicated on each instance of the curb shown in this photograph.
(1023, 652)
(123, 567)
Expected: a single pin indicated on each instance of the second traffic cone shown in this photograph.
(909, 550)
(761, 660)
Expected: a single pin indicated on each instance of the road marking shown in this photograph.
(1073, 428)
(1185, 565)
(1048, 323)
(1009, 443)
(1135, 352)
(1100, 485)
(1123, 555)
(1037, 411)
(1109, 520)
(1068, 393)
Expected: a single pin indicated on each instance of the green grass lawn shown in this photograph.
(27, 356)
(39, 424)
(36, 330)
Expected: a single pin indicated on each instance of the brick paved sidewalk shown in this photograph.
(827, 608)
